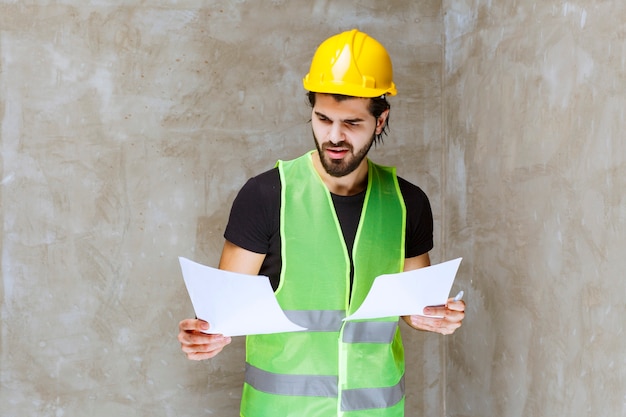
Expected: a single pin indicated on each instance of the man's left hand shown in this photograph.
(450, 317)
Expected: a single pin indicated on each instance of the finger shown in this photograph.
(426, 323)
(193, 324)
(194, 338)
(453, 311)
(200, 356)
(449, 328)
(435, 311)
(436, 325)
(422, 323)
(454, 315)
(456, 305)
(211, 347)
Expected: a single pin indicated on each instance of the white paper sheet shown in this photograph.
(407, 293)
(234, 304)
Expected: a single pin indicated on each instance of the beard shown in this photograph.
(346, 165)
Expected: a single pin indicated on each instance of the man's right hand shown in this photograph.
(197, 345)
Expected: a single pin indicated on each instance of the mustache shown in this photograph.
(340, 144)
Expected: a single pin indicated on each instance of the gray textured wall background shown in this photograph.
(535, 95)
(128, 127)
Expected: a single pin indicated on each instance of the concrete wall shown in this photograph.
(127, 128)
(534, 105)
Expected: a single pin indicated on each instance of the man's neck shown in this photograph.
(350, 184)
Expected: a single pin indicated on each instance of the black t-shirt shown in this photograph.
(254, 222)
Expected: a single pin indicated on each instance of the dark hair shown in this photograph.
(376, 107)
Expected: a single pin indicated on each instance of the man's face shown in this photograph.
(344, 132)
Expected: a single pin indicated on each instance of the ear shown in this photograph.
(380, 122)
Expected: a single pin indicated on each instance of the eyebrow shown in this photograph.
(355, 120)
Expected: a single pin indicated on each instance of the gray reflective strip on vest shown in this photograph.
(369, 331)
(317, 320)
(323, 386)
(367, 398)
(354, 332)
(300, 385)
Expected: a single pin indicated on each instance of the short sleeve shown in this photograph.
(253, 215)
(419, 227)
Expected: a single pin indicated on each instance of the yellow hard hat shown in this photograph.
(353, 64)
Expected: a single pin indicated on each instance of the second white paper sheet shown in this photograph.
(407, 293)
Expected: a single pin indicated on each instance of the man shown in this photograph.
(322, 227)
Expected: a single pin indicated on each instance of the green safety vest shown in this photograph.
(335, 368)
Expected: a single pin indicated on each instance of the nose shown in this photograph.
(335, 135)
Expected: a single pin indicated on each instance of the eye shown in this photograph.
(322, 118)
